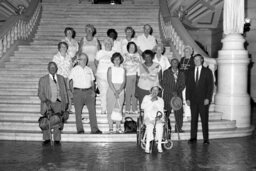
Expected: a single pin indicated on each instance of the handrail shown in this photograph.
(174, 32)
(19, 27)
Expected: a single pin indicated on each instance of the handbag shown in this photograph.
(116, 114)
(50, 119)
(130, 126)
(43, 123)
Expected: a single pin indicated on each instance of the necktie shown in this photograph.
(197, 75)
(54, 79)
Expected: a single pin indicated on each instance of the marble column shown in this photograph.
(232, 98)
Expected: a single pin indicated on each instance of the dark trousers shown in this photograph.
(203, 111)
(178, 114)
(140, 94)
(81, 98)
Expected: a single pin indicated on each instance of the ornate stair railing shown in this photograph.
(174, 33)
(19, 27)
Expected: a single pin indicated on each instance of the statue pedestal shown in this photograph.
(232, 98)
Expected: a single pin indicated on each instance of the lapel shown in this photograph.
(47, 86)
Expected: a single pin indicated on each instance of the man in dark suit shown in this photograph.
(173, 83)
(199, 84)
(52, 92)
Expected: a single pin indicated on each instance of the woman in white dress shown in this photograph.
(103, 62)
(129, 37)
(115, 93)
(70, 40)
(90, 45)
(160, 58)
(151, 104)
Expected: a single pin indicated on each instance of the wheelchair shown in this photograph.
(167, 142)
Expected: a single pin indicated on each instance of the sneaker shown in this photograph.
(119, 131)
(46, 142)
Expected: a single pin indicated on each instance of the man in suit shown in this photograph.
(52, 92)
(199, 92)
(173, 83)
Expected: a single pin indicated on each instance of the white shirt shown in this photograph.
(163, 62)
(104, 59)
(146, 43)
(152, 107)
(124, 43)
(117, 75)
(199, 72)
(82, 77)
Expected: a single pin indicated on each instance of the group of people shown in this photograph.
(126, 71)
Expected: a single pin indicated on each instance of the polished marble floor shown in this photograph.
(237, 154)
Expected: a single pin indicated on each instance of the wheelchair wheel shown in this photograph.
(168, 145)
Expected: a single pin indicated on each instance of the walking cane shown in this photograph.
(50, 129)
(178, 131)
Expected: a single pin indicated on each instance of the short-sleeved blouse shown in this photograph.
(64, 64)
(148, 80)
(163, 62)
(131, 63)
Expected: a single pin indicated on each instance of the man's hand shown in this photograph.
(188, 102)
(206, 101)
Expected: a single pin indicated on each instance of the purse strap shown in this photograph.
(128, 118)
(118, 102)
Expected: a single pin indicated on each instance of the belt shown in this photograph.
(83, 89)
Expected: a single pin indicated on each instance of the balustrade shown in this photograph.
(19, 28)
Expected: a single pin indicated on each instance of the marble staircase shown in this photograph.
(19, 104)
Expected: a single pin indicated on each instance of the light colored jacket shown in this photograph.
(44, 92)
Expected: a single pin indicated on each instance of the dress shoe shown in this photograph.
(57, 142)
(80, 132)
(147, 151)
(206, 142)
(97, 132)
(46, 142)
(160, 150)
(192, 141)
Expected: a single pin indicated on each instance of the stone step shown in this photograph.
(99, 27)
(24, 107)
(4, 107)
(56, 7)
(101, 118)
(58, 34)
(25, 99)
(71, 127)
(96, 14)
(73, 137)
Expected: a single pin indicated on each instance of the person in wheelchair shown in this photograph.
(152, 106)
